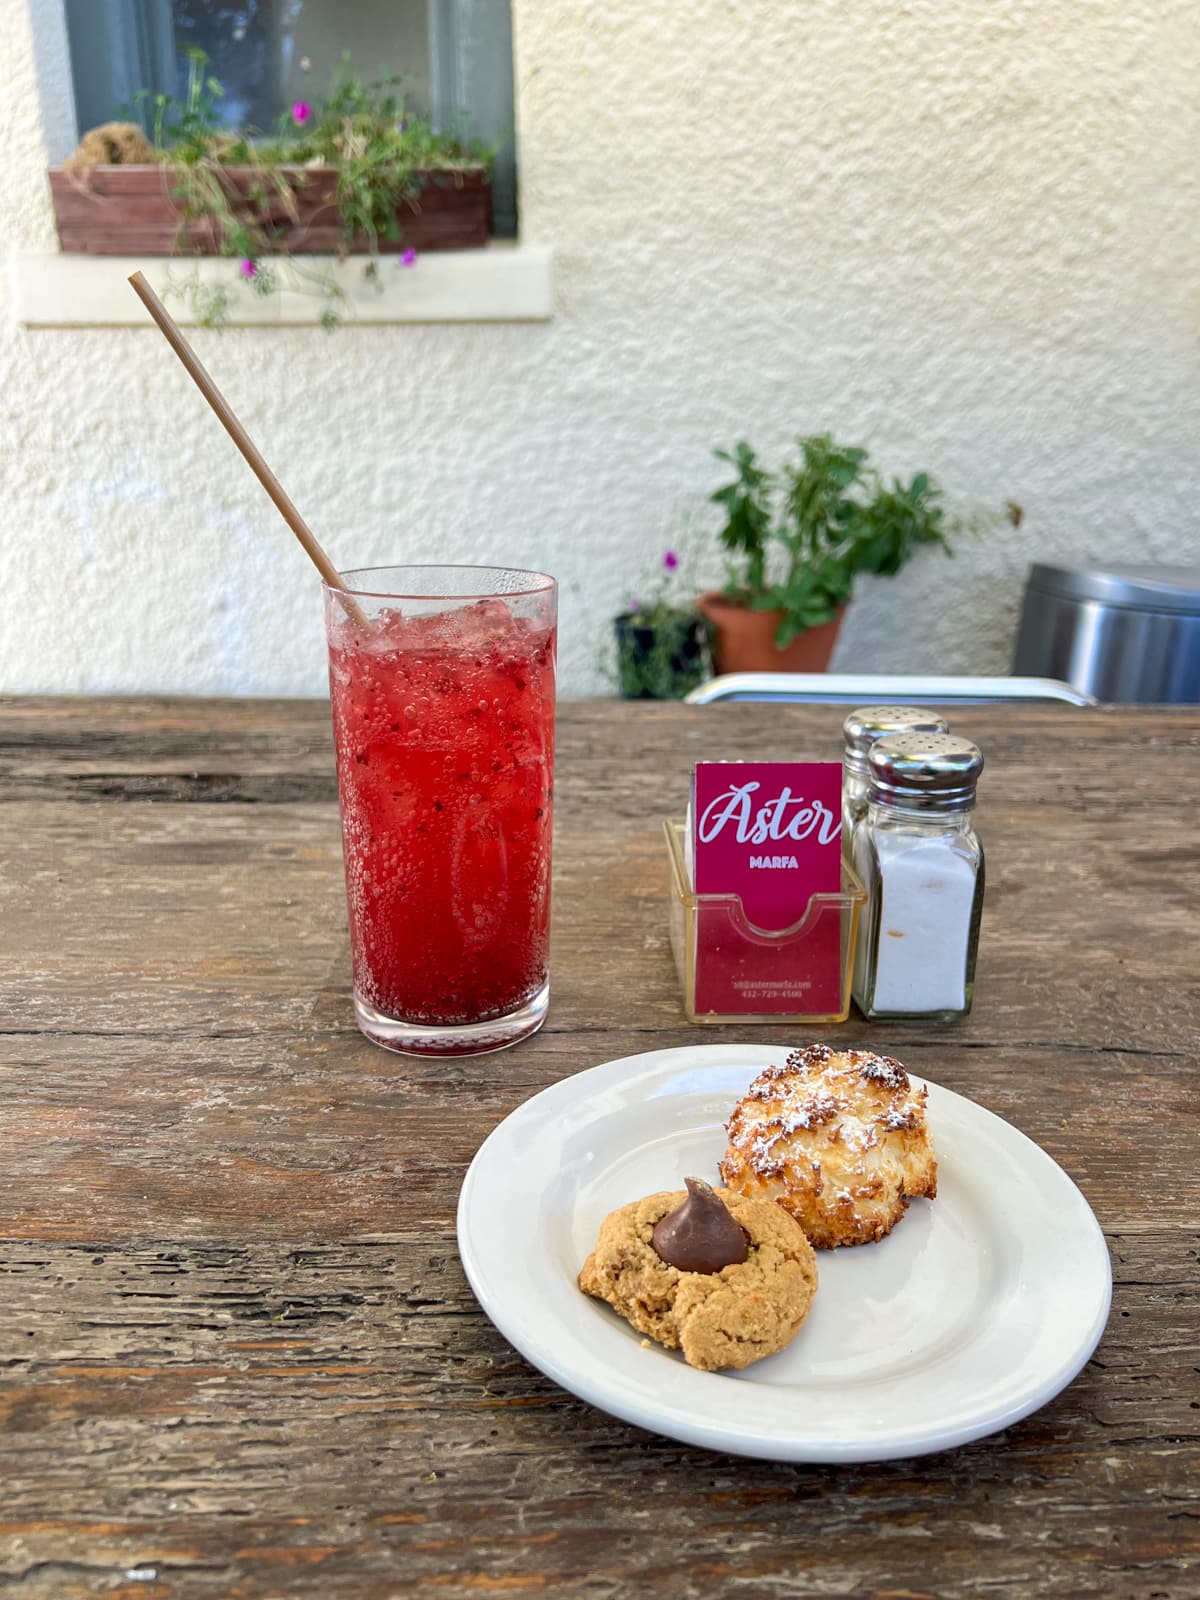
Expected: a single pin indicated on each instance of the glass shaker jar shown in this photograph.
(859, 732)
(922, 867)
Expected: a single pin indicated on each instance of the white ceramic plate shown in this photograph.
(975, 1311)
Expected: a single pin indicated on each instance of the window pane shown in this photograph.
(270, 53)
(117, 47)
(472, 87)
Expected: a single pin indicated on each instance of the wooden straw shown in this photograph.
(196, 371)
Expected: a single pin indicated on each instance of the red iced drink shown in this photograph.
(443, 719)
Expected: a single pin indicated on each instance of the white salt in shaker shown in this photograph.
(859, 732)
(922, 867)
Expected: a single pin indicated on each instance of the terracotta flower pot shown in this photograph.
(744, 640)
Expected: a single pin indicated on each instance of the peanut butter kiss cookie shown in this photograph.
(725, 1279)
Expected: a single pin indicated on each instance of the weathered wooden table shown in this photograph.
(238, 1356)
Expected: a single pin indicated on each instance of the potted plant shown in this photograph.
(795, 542)
(662, 643)
(349, 175)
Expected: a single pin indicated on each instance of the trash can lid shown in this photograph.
(1138, 587)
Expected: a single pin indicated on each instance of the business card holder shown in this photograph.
(732, 971)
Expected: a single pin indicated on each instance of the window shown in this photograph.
(453, 57)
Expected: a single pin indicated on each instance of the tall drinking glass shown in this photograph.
(443, 723)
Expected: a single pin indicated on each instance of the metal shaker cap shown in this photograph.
(863, 727)
(927, 771)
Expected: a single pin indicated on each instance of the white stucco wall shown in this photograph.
(966, 234)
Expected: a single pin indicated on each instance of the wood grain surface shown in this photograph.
(238, 1356)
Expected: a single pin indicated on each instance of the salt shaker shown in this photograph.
(859, 732)
(922, 867)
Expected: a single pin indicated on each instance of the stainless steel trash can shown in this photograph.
(1123, 633)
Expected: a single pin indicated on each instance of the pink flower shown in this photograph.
(301, 112)
(409, 258)
(670, 560)
(248, 269)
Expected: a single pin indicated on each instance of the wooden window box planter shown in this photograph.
(129, 211)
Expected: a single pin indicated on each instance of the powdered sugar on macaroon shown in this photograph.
(837, 1138)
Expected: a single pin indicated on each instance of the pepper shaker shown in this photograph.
(859, 732)
(922, 867)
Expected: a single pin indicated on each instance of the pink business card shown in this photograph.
(769, 832)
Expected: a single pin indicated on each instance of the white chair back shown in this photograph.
(860, 688)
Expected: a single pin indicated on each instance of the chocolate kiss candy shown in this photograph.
(700, 1236)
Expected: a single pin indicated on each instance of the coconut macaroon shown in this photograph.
(838, 1139)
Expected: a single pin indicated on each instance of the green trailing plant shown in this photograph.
(796, 539)
(379, 151)
(662, 641)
